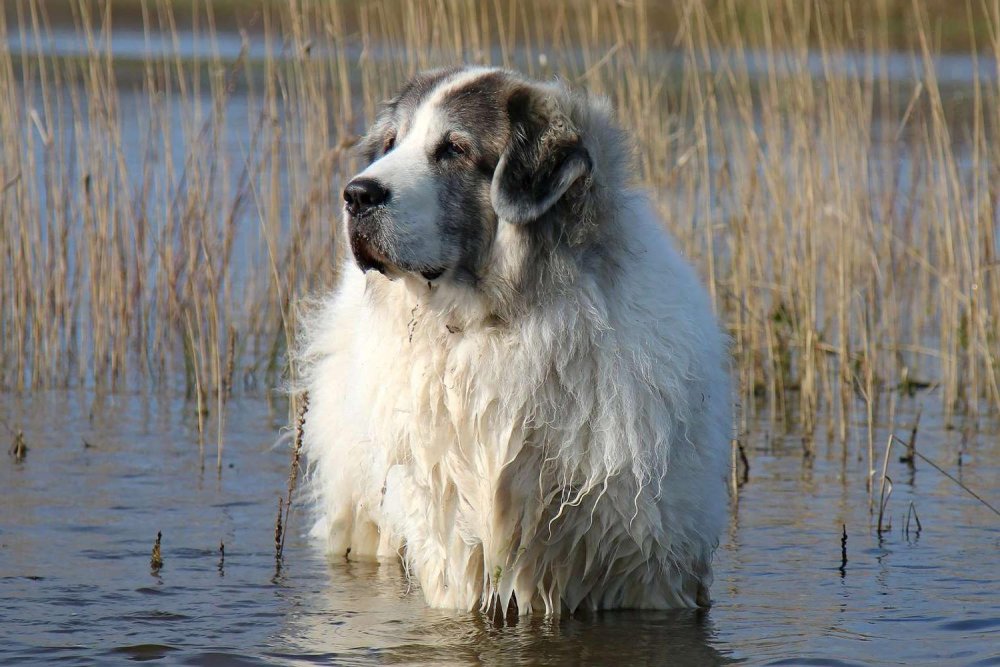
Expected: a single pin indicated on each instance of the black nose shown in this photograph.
(364, 194)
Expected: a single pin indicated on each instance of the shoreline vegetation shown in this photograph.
(162, 216)
(945, 22)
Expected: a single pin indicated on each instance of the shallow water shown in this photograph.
(100, 478)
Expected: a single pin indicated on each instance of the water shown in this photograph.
(100, 478)
(79, 515)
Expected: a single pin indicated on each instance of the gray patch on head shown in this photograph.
(475, 110)
(395, 117)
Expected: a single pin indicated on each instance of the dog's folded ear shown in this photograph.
(543, 158)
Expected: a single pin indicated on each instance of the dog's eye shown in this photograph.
(390, 143)
(450, 148)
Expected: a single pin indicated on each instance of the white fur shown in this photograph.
(573, 457)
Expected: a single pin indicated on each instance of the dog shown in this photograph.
(519, 387)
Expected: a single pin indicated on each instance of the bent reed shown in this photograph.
(833, 178)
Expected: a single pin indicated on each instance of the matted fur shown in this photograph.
(548, 422)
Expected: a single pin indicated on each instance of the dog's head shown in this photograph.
(458, 156)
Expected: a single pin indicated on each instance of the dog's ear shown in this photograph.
(543, 158)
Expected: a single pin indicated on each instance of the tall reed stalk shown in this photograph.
(838, 197)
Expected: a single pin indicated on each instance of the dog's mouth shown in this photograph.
(369, 258)
(367, 255)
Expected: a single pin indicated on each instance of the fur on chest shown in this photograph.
(469, 397)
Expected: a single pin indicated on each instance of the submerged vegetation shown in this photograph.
(833, 176)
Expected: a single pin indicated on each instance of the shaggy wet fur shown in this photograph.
(548, 424)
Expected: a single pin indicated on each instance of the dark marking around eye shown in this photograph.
(390, 142)
(450, 148)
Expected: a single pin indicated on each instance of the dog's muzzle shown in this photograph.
(362, 197)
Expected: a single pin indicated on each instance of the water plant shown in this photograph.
(161, 212)
(156, 558)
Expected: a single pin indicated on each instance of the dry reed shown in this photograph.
(156, 557)
(18, 448)
(281, 526)
(161, 213)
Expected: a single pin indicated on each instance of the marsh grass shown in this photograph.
(911, 512)
(884, 523)
(885, 490)
(18, 448)
(161, 215)
(281, 525)
(156, 557)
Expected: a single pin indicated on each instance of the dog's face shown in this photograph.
(454, 156)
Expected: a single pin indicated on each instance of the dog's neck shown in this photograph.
(443, 307)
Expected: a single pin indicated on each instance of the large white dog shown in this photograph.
(519, 387)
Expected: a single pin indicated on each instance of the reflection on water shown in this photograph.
(81, 512)
(367, 612)
(100, 479)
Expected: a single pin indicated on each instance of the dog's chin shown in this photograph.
(368, 261)
(370, 258)
(422, 276)
(430, 275)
